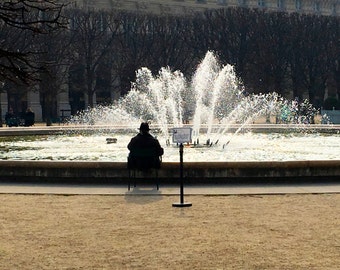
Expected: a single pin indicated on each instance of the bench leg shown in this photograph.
(129, 180)
(157, 184)
(132, 174)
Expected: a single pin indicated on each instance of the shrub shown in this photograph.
(330, 103)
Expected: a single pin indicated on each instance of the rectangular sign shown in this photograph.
(181, 135)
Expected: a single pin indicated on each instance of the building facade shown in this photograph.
(320, 7)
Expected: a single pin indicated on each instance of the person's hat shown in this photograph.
(144, 127)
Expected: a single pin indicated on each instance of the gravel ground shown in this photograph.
(146, 232)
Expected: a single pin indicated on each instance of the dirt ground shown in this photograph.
(146, 232)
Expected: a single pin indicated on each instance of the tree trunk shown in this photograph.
(0, 113)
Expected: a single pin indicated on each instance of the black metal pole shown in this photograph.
(181, 172)
(181, 203)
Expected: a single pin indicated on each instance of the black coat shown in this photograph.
(145, 145)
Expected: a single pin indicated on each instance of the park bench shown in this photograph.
(142, 164)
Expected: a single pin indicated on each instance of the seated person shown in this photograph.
(145, 150)
(11, 119)
(29, 117)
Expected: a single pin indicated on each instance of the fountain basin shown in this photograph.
(90, 144)
(194, 172)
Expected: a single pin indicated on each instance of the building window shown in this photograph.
(242, 3)
(298, 5)
(222, 2)
(281, 4)
(333, 9)
(261, 3)
(316, 6)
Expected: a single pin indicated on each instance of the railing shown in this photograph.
(333, 115)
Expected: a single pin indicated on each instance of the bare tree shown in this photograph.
(333, 49)
(313, 34)
(21, 22)
(168, 42)
(133, 47)
(231, 33)
(57, 59)
(94, 33)
(269, 58)
(26, 16)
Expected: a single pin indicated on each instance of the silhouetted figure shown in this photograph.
(145, 150)
(29, 118)
(11, 119)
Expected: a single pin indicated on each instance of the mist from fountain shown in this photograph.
(213, 100)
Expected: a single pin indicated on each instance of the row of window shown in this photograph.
(316, 6)
(325, 7)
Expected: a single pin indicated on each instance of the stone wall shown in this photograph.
(194, 172)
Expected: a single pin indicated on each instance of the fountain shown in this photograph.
(217, 108)
(212, 102)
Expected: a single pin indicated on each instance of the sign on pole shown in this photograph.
(181, 135)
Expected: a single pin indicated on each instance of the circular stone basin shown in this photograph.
(240, 147)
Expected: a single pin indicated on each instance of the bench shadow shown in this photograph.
(143, 195)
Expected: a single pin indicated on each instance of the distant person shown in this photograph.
(145, 150)
(11, 119)
(29, 117)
